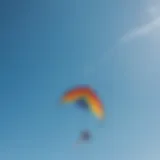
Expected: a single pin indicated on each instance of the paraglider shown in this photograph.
(85, 98)
(85, 136)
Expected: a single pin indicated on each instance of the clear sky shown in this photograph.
(49, 46)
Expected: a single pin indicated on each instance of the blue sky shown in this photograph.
(49, 46)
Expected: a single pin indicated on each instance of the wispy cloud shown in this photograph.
(128, 36)
(142, 30)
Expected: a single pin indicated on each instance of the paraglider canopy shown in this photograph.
(85, 97)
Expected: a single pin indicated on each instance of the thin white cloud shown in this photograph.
(142, 30)
(132, 34)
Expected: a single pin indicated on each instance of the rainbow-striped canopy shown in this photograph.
(87, 94)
